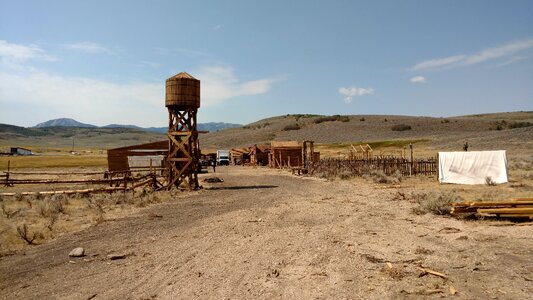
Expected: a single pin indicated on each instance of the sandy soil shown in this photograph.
(266, 234)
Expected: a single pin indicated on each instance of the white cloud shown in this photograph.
(88, 47)
(418, 79)
(353, 91)
(91, 100)
(100, 102)
(220, 84)
(466, 60)
(18, 53)
(218, 27)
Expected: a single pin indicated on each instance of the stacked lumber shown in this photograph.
(514, 208)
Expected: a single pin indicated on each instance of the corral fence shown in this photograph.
(103, 181)
(333, 167)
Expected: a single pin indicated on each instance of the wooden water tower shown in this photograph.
(182, 101)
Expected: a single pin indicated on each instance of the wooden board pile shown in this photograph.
(514, 208)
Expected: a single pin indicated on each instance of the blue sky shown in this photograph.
(105, 62)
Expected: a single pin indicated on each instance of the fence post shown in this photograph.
(7, 174)
(411, 166)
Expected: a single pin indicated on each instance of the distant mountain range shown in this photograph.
(67, 122)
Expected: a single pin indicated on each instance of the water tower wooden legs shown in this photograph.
(183, 148)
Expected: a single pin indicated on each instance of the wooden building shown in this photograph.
(259, 155)
(240, 156)
(285, 154)
(20, 151)
(137, 156)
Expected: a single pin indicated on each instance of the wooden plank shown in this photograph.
(493, 203)
(522, 199)
(88, 181)
(432, 272)
(55, 173)
(179, 159)
(67, 192)
(505, 210)
(530, 216)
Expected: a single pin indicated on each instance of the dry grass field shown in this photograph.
(264, 233)
(259, 234)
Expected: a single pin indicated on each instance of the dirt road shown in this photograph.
(266, 234)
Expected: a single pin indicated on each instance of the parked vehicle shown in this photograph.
(222, 157)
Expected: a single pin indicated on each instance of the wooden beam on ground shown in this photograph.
(67, 192)
(501, 211)
(493, 203)
(88, 181)
(429, 271)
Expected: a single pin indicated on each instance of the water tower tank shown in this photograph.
(182, 90)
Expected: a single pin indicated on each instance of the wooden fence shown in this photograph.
(332, 167)
(116, 181)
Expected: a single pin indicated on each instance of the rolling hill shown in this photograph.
(488, 131)
(67, 122)
(510, 131)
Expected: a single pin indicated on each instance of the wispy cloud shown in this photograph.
(88, 47)
(512, 60)
(476, 58)
(10, 52)
(418, 79)
(220, 84)
(349, 92)
(218, 27)
(438, 63)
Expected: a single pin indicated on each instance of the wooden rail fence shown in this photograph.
(116, 181)
(332, 167)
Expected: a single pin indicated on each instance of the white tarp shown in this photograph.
(472, 167)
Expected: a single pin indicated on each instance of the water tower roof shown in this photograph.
(182, 75)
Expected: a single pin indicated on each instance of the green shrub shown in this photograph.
(379, 176)
(501, 125)
(519, 125)
(291, 127)
(489, 181)
(435, 203)
(333, 118)
(401, 127)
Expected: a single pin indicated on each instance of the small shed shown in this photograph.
(137, 156)
(259, 155)
(285, 154)
(240, 156)
(20, 151)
